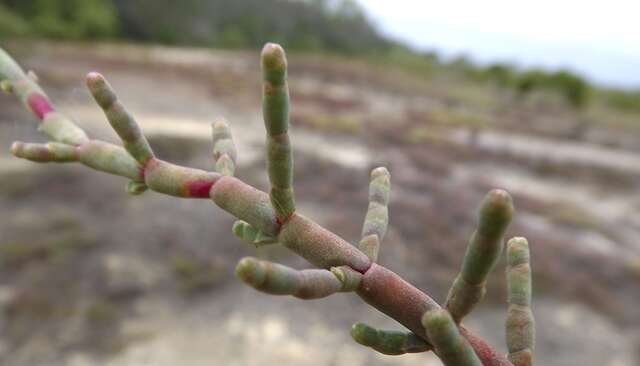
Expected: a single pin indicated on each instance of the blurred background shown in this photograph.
(540, 98)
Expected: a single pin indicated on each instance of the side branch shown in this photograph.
(120, 119)
(520, 323)
(377, 217)
(388, 342)
(275, 107)
(482, 254)
(277, 279)
(58, 127)
(224, 150)
(450, 345)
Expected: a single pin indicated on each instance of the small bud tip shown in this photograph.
(518, 241)
(379, 172)
(219, 124)
(273, 57)
(250, 271)
(16, 147)
(499, 204)
(517, 251)
(499, 196)
(238, 229)
(94, 79)
(363, 334)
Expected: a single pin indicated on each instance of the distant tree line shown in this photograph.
(335, 25)
(76, 19)
(313, 25)
(309, 25)
(571, 86)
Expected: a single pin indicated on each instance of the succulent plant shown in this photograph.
(271, 218)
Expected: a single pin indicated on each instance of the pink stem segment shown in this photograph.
(39, 104)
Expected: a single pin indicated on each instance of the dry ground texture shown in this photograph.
(90, 275)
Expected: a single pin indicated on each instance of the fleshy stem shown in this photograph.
(377, 217)
(482, 254)
(277, 279)
(452, 348)
(388, 342)
(273, 215)
(275, 108)
(120, 119)
(520, 322)
(224, 150)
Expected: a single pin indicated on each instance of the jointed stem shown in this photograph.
(377, 218)
(520, 323)
(120, 119)
(275, 107)
(224, 150)
(482, 254)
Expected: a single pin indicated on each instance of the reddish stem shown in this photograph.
(389, 293)
(39, 104)
(199, 188)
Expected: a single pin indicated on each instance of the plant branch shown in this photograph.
(263, 215)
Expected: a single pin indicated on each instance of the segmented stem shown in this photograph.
(224, 150)
(120, 119)
(388, 342)
(42, 153)
(452, 348)
(275, 107)
(482, 254)
(520, 322)
(277, 279)
(56, 126)
(377, 217)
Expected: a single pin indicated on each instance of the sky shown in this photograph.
(598, 39)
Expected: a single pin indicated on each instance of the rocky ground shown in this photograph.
(89, 275)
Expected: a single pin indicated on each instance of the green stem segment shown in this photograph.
(377, 217)
(277, 279)
(120, 119)
(275, 108)
(56, 126)
(224, 150)
(482, 254)
(520, 322)
(388, 342)
(95, 154)
(452, 348)
(43, 153)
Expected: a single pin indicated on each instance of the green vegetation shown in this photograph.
(303, 25)
(308, 25)
(625, 100)
(68, 19)
(572, 87)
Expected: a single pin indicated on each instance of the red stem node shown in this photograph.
(39, 105)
